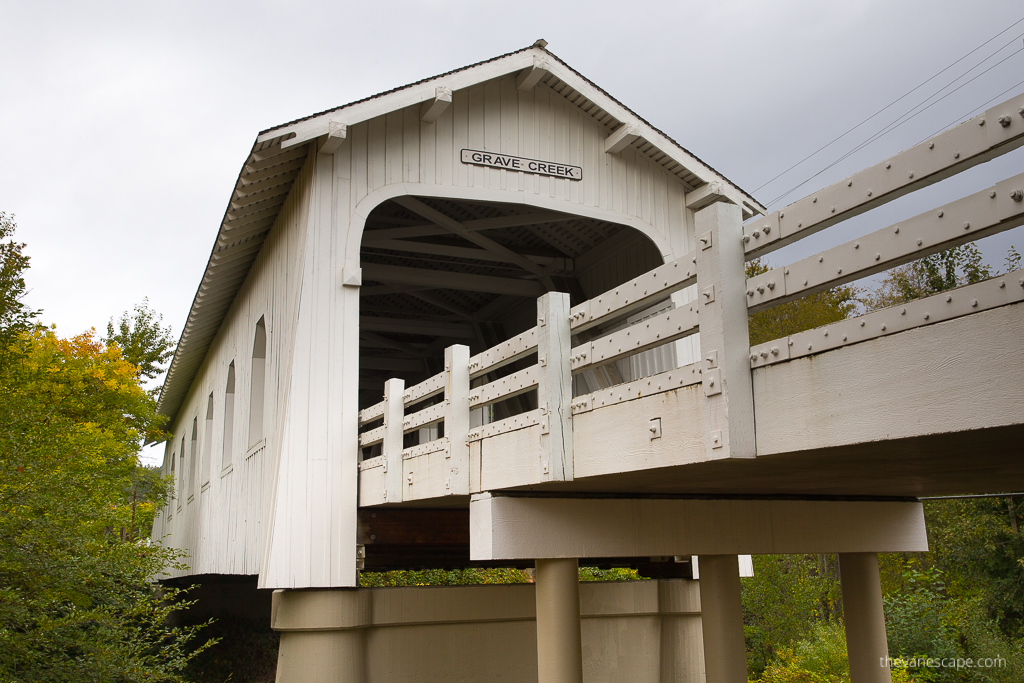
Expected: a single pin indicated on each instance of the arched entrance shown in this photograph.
(439, 271)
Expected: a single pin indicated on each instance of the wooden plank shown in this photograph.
(979, 215)
(621, 138)
(504, 388)
(512, 457)
(955, 303)
(431, 110)
(500, 355)
(850, 397)
(490, 245)
(392, 438)
(616, 436)
(425, 389)
(376, 153)
(447, 280)
(411, 146)
(459, 252)
(641, 388)
(729, 403)
(973, 142)
(507, 527)
(456, 420)
(554, 386)
(641, 292)
(410, 326)
(423, 418)
(521, 219)
(394, 152)
(509, 424)
(655, 331)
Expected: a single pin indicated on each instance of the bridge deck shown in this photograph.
(922, 398)
(933, 410)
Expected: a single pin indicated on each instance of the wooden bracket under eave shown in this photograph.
(336, 133)
(530, 76)
(432, 109)
(624, 136)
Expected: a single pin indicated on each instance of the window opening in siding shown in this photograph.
(207, 452)
(181, 472)
(258, 384)
(229, 417)
(192, 459)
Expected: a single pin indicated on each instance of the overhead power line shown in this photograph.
(896, 101)
(893, 103)
(902, 119)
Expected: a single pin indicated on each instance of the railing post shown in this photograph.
(456, 419)
(394, 414)
(724, 337)
(554, 386)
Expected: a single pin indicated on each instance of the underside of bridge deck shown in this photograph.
(942, 464)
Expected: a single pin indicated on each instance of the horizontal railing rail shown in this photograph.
(626, 321)
(981, 214)
(635, 295)
(996, 132)
(954, 303)
(993, 210)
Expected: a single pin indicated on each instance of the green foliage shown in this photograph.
(787, 596)
(803, 314)
(820, 657)
(1012, 259)
(442, 577)
(918, 623)
(978, 545)
(142, 339)
(15, 318)
(613, 574)
(956, 267)
(76, 602)
(472, 577)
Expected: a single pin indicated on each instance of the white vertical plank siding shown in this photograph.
(221, 529)
(287, 509)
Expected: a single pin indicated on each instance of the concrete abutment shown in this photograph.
(643, 631)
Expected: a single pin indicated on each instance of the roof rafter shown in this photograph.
(432, 214)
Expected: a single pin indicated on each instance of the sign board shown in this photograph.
(478, 158)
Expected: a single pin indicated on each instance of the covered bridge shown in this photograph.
(495, 318)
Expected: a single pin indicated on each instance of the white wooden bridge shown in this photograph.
(605, 406)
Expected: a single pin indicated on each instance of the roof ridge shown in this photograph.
(533, 46)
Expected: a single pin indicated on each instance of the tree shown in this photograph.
(142, 339)
(77, 602)
(806, 313)
(783, 601)
(956, 267)
(15, 317)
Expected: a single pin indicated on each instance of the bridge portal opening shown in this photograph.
(438, 272)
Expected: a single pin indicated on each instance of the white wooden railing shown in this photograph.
(451, 464)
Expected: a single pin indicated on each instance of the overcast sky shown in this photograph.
(125, 124)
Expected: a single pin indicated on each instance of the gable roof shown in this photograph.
(279, 152)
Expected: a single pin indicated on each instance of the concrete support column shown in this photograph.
(559, 641)
(322, 657)
(866, 643)
(725, 655)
